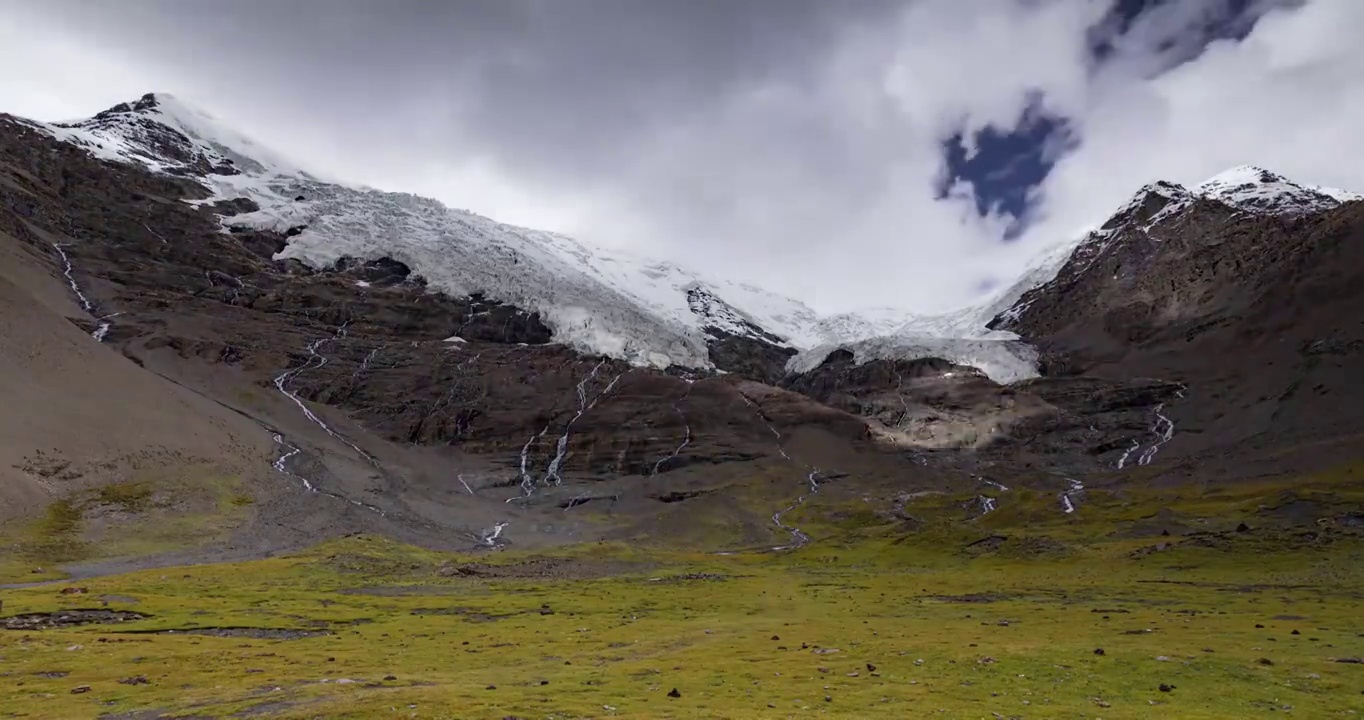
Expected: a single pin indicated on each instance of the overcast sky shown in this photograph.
(909, 153)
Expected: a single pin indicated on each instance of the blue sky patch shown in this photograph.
(1008, 163)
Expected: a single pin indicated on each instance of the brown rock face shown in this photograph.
(1067, 425)
(1255, 315)
(748, 357)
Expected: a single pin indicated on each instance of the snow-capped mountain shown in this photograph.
(1160, 258)
(594, 299)
(1245, 188)
(979, 335)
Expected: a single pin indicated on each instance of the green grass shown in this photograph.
(624, 640)
(951, 633)
(157, 512)
(129, 496)
(55, 536)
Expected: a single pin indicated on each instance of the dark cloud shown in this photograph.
(1173, 32)
(562, 87)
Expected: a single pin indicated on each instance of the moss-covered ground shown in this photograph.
(1089, 615)
(158, 511)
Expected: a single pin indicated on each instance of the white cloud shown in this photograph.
(821, 185)
(52, 76)
(1289, 98)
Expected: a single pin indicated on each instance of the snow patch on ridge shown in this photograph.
(1251, 188)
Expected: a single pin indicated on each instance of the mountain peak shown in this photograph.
(1254, 189)
(1248, 188)
(159, 107)
(1242, 174)
(164, 133)
(1153, 202)
(150, 101)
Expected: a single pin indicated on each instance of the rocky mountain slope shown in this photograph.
(1244, 290)
(452, 381)
(398, 405)
(55, 437)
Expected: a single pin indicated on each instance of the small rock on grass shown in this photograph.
(674, 693)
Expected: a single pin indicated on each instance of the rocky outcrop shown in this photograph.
(924, 403)
(736, 344)
(1081, 425)
(746, 356)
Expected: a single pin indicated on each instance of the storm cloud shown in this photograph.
(886, 152)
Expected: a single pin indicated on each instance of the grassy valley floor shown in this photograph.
(363, 628)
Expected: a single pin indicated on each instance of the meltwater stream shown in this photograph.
(553, 471)
(281, 465)
(798, 537)
(1069, 497)
(317, 360)
(1162, 427)
(1164, 430)
(103, 325)
(686, 431)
